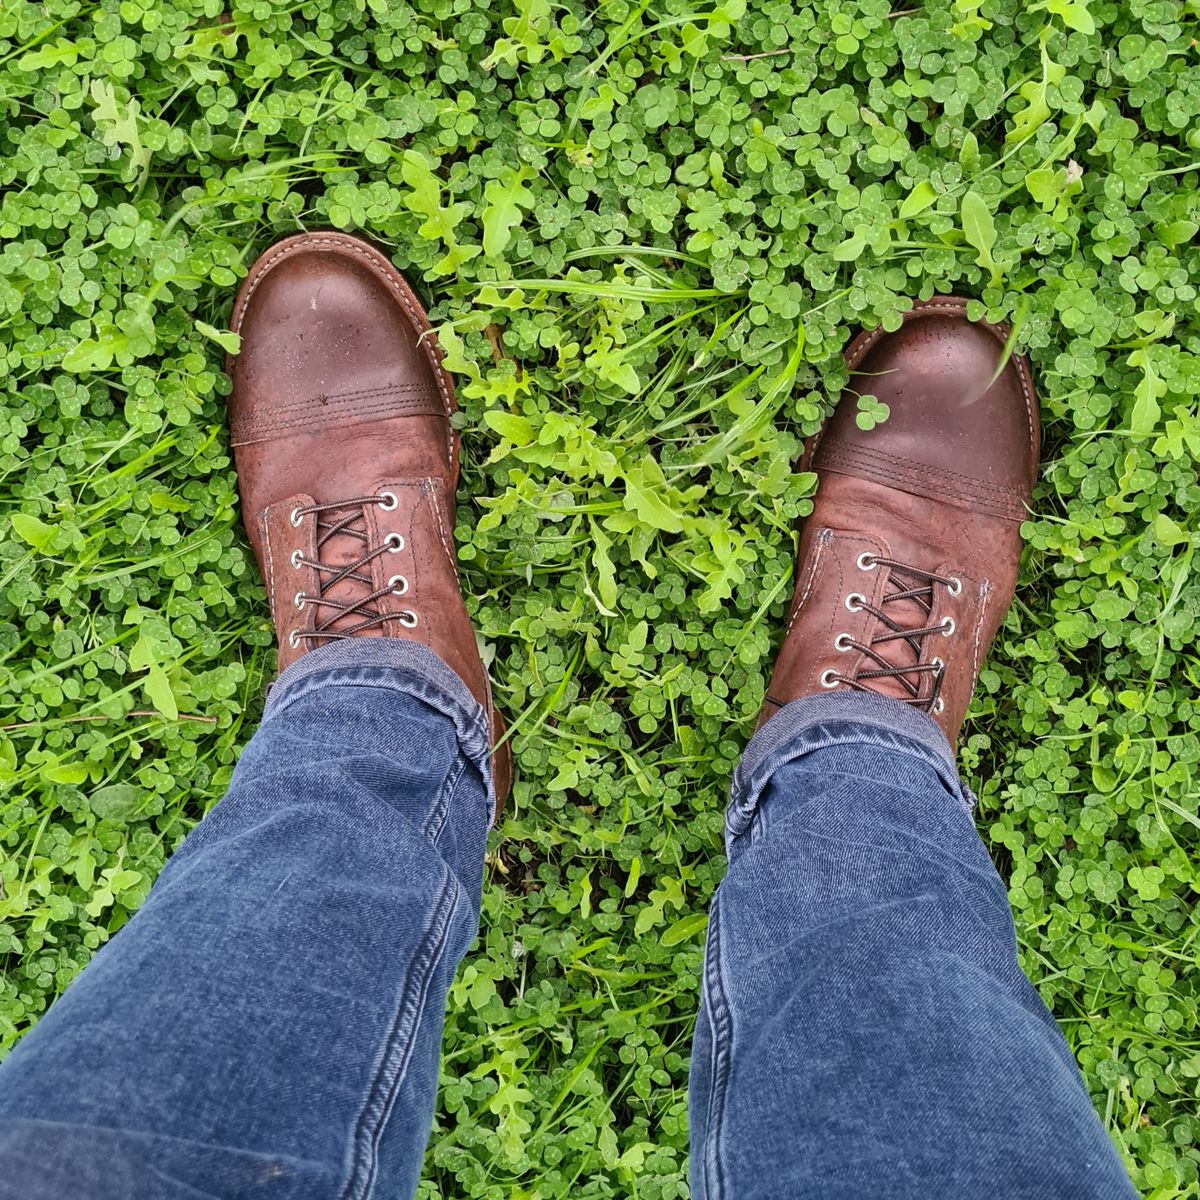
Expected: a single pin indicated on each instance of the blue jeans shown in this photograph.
(268, 1023)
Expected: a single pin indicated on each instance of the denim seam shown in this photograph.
(389, 1076)
(436, 821)
(720, 1015)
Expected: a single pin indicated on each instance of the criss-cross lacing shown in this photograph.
(352, 524)
(915, 584)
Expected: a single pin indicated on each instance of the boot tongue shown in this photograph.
(900, 652)
(341, 549)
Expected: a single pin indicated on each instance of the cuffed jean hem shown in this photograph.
(842, 718)
(400, 666)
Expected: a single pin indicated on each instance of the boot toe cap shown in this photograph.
(957, 408)
(318, 318)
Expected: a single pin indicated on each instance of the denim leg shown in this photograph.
(865, 1029)
(268, 1024)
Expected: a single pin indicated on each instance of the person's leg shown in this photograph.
(865, 1029)
(268, 1024)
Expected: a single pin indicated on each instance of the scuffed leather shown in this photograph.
(943, 484)
(339, 393)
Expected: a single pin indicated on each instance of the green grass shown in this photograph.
(675, 216)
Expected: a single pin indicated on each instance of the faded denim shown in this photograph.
(865, 1030)
(268, 1024)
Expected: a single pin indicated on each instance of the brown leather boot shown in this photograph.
(346, 461)
(909, 559)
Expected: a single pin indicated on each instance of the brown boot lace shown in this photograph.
(351, 524)
(907, 584)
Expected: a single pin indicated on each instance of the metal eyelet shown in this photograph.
(398, 585)
(954, 585)
(297, 559)
(394, 542)
(937, 664)
(862, 561)
(300, 599)
(939, 705)
(829, 679)
(948, 627)
(383, 502)
(294, 639)
(408, 619)
(843, 642)
(296, 517)
(855, 601)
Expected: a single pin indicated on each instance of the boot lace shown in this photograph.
(906, 583)
(347, 519)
